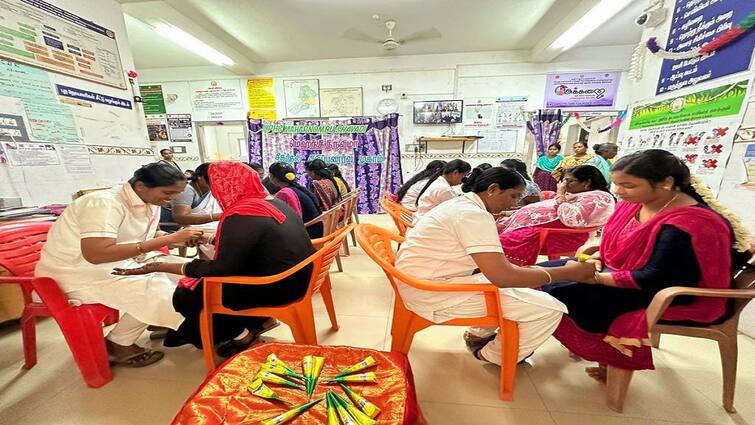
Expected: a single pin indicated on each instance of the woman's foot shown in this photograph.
(131, 355)
(599, 373)
(157, 332)
(235, 346)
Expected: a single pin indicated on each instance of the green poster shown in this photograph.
(716, 102)
(152, 96)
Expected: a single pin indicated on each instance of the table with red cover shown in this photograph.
(223, 397)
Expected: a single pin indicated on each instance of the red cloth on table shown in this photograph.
(223, 398)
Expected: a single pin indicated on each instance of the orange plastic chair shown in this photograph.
(298, 315)
(545, 232)
(402, 217)
(376, 242)
(20, 248)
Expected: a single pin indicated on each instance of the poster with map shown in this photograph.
(343, 102)
(40, 34)
(302, 98)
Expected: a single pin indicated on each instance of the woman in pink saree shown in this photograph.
(668, 231)
(582, 200)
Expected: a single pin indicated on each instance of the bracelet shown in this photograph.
(547, 273)
(183, 269)
(139, 248)
(211, 219)
(596, 276)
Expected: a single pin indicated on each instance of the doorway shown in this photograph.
(225, 140)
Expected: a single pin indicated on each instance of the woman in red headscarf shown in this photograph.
(247, 243)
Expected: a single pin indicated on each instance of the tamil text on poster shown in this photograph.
(582, 90)
(30, 154)
(152, 99)
(76, 159)
(695, 23)
(261, 95)
(699, 128)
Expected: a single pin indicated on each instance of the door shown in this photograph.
(223, 141)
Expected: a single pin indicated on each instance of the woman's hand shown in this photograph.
(145, 269)
(185, 235)
(597, 263)
(579, 272)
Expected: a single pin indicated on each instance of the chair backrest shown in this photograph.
(330, 219)
(401, 216)
(744, 278)
(350, 203)
(326, 254)
(21, 246)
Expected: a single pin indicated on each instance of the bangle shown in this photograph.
(183, 269)
(596, 276)
(211, 219)
(139, 248)
(547, 273)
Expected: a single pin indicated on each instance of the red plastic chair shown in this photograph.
(20, 247)
(547, 194)
(545, 232)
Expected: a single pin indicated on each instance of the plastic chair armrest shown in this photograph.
(664, 297)
(455, 287)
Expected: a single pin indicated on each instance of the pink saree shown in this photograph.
(520, 233)
(628, 245)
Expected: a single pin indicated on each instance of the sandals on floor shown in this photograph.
(141, 359)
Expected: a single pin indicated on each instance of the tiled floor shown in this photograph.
(453, 387)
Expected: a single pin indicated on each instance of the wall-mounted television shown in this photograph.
(438, 111)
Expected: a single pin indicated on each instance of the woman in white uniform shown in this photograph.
(408, 192)
(439, 187)
(457, 242)
(116, 228)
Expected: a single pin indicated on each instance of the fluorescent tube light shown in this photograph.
(595, 17)
(191, 43)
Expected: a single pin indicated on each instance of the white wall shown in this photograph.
(739, 201)
(41, 185)
(468, 76)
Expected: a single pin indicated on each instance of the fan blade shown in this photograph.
(422, 35)
(358, 35)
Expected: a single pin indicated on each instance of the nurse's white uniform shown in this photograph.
(116, 213)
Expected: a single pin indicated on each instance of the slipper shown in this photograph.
(475, 343)
(233, 347)
(158, 334)
(144, 358)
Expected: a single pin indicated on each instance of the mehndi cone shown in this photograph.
(291, 414)
(355, 413)
(369, 361)
(275, 379)
(274, 360)
(258, 388)
(317, 364)
(332, 413)
(344, 414)
(367, 407)
(359, 377)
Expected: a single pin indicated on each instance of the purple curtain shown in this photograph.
(373, 178)
(545, 125)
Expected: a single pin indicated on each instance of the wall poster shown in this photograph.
(343, 102)
(582, 91)
(152, 99)
(179, 127)
(302, 98)
(261, 95)
(695, 23)
(37, 33)
(30, 154)
(699, 128)
(157, 128)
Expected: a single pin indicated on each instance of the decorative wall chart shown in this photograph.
(302, 98)
(342, 102)
(40, 34)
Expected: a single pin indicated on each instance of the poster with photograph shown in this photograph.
(179, 127)
(157, 128)
(582, 91)
(699, 128)
(302, 98)
(478, 115)
(31, 154)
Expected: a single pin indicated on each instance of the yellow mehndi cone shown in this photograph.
(287, 416)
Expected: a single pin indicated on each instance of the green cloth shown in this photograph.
(603, 165)
(548, 164)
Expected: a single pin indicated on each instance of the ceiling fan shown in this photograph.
(391, 42)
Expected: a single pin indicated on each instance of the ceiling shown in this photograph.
(295, 30)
